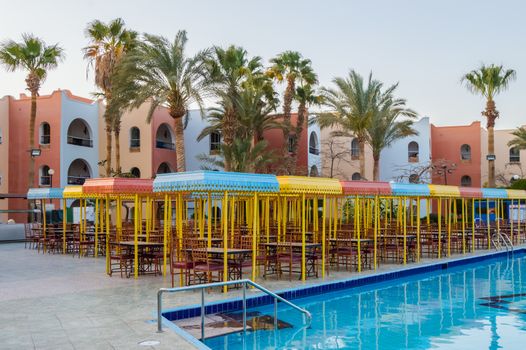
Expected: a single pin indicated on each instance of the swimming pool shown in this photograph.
(481, 306)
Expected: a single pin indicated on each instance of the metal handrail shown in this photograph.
(244, 282)
(500, 236)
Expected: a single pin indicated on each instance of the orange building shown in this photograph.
(458, 155)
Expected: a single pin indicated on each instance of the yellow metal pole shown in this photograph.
(209, 221)
(376, 221)
(323, 237)
(107, 223)
(405, 229)
(135, 238)
(488, 224)
(44, 228)
(224, 222)
(439, 227)
(510, 213)
(449, 221)
(254, 243)
(232, 219)
(303, 264)
(64, 226)
(418, 229)
(464, 214)
(165, 233)
(357, 202)
(473, 224)
(519, 221)
(267, 218)
(96, 227)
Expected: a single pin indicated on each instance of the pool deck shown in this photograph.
(60, 302)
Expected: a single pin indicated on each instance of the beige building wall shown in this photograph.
(504, 168)
(339, 150)
(130, 157)
(4, 155)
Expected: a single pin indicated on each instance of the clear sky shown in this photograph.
(425, 45)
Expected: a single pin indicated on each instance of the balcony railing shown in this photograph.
(314, 150)
(45, 180)
(78, 141)
(135, 143)
(515, 159)
(77, 180)
(45, 139)
(164, 145)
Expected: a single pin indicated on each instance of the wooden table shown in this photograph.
(273, 262)
(235, 257)
(140, 256)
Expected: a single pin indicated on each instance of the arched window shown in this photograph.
(78, 172)
(45, 178)
(465, 181)
(355, 148)
(135, 172)
(313, 144)
(45, 133)
(412, 151)
(215, 142)
(135, 137)
(290, 143)
(356, 177)
(465, 152)
(314, 171)
(164, 137)
(79, 133)
(515, 155)
(164, 168)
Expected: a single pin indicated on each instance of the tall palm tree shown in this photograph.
(291, 67)
(353, 105)
(36, 58)
(306, 96)
(489, 81)
(158, 70)
(228, 71)
(109, 43)
(386, 127)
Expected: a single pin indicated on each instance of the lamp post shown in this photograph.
(51, 172)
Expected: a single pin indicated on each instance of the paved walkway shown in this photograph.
(60, 302)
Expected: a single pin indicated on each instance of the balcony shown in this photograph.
(79, 141)
(45, 139)
(77, 180)
(45, 181)
(135, 143)
(164, 145)
(314, 150)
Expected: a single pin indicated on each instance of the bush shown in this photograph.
(519, 184)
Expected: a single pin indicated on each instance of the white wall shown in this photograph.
(193, 148)
(314, 159)
(394, 160)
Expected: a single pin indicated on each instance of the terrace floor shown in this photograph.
(60, 302)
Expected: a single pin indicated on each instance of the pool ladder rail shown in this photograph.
(500, 239)
(244, 283)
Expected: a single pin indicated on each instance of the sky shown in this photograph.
(424, 45)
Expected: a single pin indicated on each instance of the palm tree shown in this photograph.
(158, 70)
(228, 71)
(305, 96)
(385, 126)
(109, 43)
(353, 106)
(34, 56)
(519, 140)
(291, 67)
(489, 81)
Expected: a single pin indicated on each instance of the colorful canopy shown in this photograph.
(73, 192)
(215, 181)
(494, 193)
(470, 192)
(309, 185)
(117, 186)
(403, 189)
(44, 193)
(366, 188)
(516, 194)
(443, 191)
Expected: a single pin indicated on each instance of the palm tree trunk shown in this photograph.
(491, 114)
(287, 127)
(32, 120)
(179, 144)
(118, 152)
(108, 150)
(302, 111)
(362, 159)
(376, 168)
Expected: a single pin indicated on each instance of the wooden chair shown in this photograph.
(204, 268)
(120, 260)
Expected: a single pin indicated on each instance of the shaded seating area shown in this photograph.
(208, 226)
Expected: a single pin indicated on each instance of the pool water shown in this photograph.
(480, 306)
